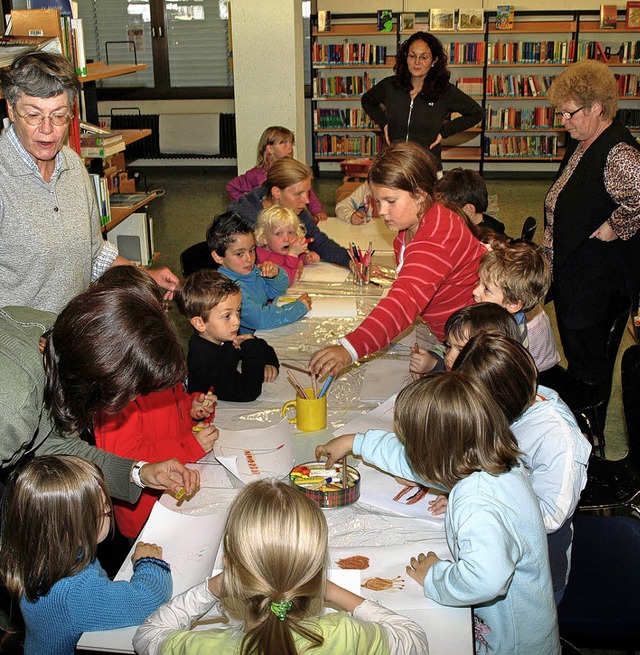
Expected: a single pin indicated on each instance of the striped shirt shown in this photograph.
(438, 274)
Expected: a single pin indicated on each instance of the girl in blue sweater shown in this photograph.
(450, 433)
(57, 511)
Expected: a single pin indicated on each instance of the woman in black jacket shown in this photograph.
(416, 103)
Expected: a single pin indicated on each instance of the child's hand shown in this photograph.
(418, 568)
(270, 373)
(203, 406)
(439, 505)
(320, 216)
(420, 362)
(335, 449)
(305, 300)
(240, 338)
(206, 435)
(268, 269)
(358, 217)
(298, 246)
(146, 550)
(299, 271)
(311, 257)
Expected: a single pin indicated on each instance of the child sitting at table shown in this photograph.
(554, 450)
(357, 208)
(280, 239)
(276, 142)
(516, 277)
(153, 426)
(450, 433)
(468, 190)
(57, 510)
(274, 580)
(234, 365)
(459, 328)
(233, 248)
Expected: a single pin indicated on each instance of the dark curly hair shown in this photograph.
(435, 84)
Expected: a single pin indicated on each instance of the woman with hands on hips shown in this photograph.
(416, 103)
(437, 258)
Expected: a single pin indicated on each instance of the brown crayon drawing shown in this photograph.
(383, 584)
(359, 562)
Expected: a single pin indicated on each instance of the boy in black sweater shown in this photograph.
(234, 365)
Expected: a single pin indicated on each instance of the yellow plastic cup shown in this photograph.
(311, 413)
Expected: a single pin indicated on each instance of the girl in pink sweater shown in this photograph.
(276, 142)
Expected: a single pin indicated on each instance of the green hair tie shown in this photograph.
(281, 609)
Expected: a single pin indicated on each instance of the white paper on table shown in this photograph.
(382, 376)
(380, 418)
(379, 489)
(388, 563)
(254, 454)
(327, 306)
(324, 272)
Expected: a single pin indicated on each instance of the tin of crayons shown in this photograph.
(324, 486)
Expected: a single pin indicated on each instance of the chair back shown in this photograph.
(195, 258)
(630, 373)
(619, 310)
(528, 228)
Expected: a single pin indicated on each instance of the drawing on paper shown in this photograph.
(419, 492)
(359, 562)
(383, 584)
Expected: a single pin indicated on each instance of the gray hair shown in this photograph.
(40, 75)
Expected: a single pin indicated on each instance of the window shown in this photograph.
(185, 43)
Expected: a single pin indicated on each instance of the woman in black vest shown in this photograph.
(592, 215)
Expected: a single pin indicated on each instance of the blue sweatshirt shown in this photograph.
(255, 313)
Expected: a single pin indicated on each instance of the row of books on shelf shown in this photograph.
(342, 85)
(349, 53)
(627, 85)
(529, 86)
(353, 118)
(629, 117)
(49, 23)
(465, 53)
(337, 146)
(521, 146)
(103, 198)
(531, 52)
(628, 52)
(512, 118)
(472, 86)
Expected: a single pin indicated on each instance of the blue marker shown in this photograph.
(325, 386)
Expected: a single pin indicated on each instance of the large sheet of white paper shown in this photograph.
(324, 272)
(384, 376)
(376, 231)
(380, 418)
(255, 454)
(327, 306)
(381, 490)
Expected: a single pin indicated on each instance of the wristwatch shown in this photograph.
(135, 474)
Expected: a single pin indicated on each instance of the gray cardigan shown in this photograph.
(25, 425)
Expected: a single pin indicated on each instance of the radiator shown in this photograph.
(149, 147)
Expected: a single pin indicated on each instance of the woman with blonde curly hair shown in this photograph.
(592, 216)
(274, 580)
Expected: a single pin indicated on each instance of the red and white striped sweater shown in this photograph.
(439, 272)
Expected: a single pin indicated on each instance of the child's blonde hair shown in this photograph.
(521, 270)
(276, 550)
(54, 510)
(271, 137)
(273, 217)
(451, 427)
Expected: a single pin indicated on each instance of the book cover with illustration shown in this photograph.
(504, 17)
(608, 17)
(385, 20)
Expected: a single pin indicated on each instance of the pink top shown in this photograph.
(437, 277)
(254, 178)
(289, 263)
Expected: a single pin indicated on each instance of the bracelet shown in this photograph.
(135, 474)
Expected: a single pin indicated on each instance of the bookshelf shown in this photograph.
(506, 71)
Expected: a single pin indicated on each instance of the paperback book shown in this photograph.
(504, 17)
(385, 20)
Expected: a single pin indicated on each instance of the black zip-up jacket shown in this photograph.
(423, 121)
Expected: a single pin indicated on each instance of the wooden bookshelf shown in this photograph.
(119, 214)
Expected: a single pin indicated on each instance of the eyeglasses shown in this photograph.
(568, 115)
(36, 118)
(414, 57)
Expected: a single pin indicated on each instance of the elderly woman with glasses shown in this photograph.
(416, 103)
(50, 241)
(592, 215)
